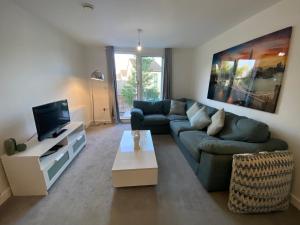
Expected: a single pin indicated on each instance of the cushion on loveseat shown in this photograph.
(191, 140)
(240, 128)
(189, 102)
(149, 107)
(201, 119)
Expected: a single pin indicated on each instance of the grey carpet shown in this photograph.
(84, 194)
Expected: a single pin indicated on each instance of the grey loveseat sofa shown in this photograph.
(210, 157)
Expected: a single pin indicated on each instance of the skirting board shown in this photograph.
(5, 195)
(100, 122)
(295, 201)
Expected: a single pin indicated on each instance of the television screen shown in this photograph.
(50, 118)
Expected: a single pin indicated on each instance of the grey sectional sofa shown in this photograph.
(209, 156)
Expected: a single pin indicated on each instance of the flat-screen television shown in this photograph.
(51, 118)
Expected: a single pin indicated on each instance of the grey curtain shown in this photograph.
(167, 74)
(111, 77)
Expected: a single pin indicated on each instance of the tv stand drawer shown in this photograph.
(78, 143)
(59, 163)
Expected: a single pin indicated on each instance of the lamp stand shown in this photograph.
(96, 75)
(93, 107)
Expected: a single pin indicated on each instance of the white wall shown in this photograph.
(38, 64)
(285, 122)
(183, 71)
(95, 58)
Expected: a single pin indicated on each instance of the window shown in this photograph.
(139, 77)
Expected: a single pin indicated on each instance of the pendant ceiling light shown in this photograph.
(139, 46)
(87, 5)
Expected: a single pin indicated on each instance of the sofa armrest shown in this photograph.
(137, 113)
(228, 147)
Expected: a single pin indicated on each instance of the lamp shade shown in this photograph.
(97, 75)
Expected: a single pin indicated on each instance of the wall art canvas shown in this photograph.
(251, 73)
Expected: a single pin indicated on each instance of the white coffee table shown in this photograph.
(135, 167)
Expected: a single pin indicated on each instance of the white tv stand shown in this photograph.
(29, 173)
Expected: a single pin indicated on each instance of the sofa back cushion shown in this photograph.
(177, 107)
(166, 106)
(189, 103)
(239, 128)
(211, 110)
(149, 107)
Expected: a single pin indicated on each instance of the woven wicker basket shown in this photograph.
(261, 182)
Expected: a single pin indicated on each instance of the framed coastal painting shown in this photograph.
(251, 73)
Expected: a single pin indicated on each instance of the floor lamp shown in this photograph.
(98, 76)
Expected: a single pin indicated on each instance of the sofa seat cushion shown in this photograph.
(191, 140)
(176, 117)
(178, 126)
(155, 119)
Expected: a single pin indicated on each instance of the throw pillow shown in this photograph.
(192, 110)
(177, 107)
(217, 123)
(201, 119)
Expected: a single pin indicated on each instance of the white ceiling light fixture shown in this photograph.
(88, 6)
(139, 46)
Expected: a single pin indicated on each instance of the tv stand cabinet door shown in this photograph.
(25, 176)
(53, 172)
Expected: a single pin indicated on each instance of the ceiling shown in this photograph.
(165, 23)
